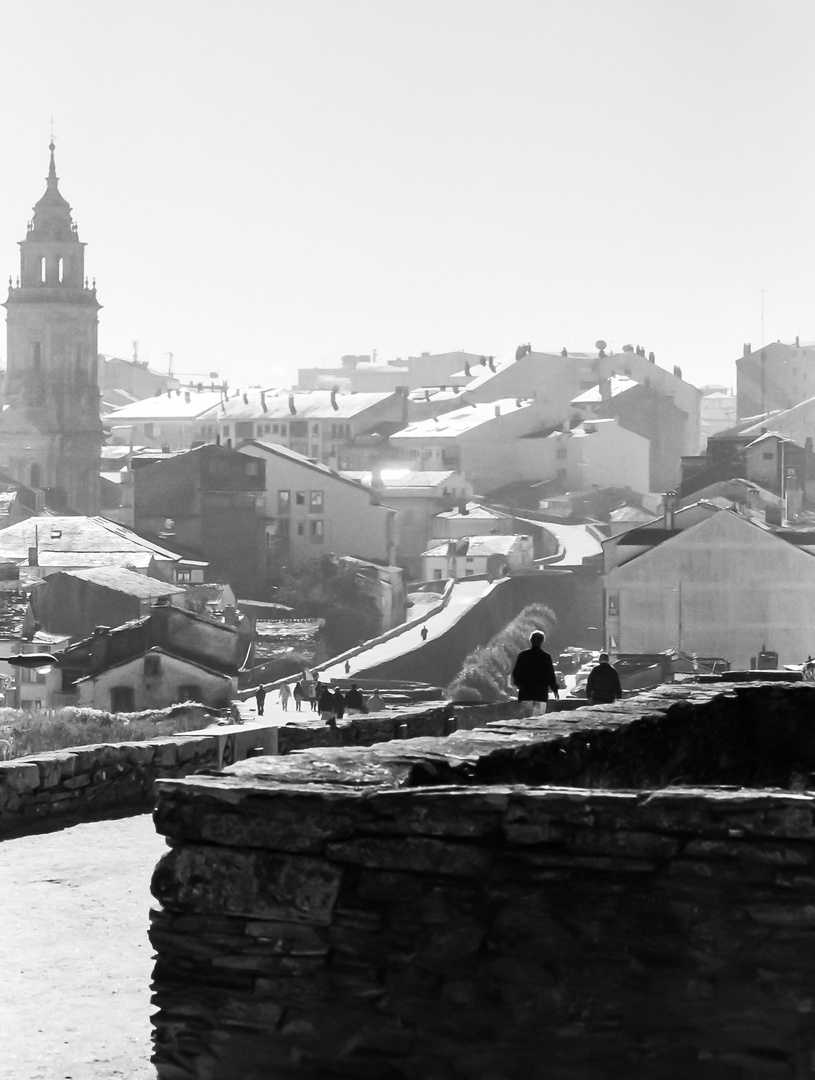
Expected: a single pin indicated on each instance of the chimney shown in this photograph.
(564, 351)
(652, 358)
(246, 399)
(677, 371)
(292, 407)
(263, 404)
(377, 483)
(797, 342)
(669, 501)
(462, 508)
(334, 404)
(497, 410)
(605, 389)
(187, 396)
(746, 350)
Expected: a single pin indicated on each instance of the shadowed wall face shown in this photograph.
(374, 927)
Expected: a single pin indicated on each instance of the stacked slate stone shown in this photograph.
(89, 781)
(406, 911)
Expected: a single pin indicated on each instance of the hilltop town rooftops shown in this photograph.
(308, 405)
(276, 450)
(460, 421)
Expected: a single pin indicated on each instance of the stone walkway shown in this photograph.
(76, 961)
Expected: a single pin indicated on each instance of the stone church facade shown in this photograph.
(50, 428)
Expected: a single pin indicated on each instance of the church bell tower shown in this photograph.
(50, 430)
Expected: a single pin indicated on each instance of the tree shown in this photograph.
(328, 589)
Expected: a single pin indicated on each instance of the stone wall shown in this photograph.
(418, 909)
(88, 782)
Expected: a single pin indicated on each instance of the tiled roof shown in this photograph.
(85, 536)
(452, 424)
(120, 579)
(309, 405)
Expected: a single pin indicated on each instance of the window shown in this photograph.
(469, 573)
(244, 429)
(42, 270)
(61, 270)
(298, 429)
(149, 431)
(315, 502)
(469, 558)
(437, 575)
(31, 675)
(613, 604)
(768, 455)
(275, 429)
(283, 528)
(301, 528)
(300, 498)
(316, 531)
(152, 665)
(284, 503)
(282, 429)
(36, 476)
(122, 699)
(271, 533)
(253, 467)
(183, 577)
(315, 429)
(189, 692)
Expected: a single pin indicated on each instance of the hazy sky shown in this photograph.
(265, 185)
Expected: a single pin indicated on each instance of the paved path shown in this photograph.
(465, 595)
(76, 961)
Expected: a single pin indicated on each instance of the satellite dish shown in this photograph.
(600, 344)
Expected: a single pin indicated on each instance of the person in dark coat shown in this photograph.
(260, 698)
(603, 684)
(339, 704)
(534, 676)
(354, 701)
(326, 707)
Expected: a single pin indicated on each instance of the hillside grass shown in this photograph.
(485, 672)
(23, 732)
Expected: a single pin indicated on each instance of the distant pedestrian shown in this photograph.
(424, 633)
(339, 704)
(285, 694)
(299, 694)
(603, 684)
(326, 707)
(354, 701)
(260, 698)
(347, 668)
(534, 676)
(314, 694)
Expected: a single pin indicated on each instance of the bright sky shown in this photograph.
(266, 184)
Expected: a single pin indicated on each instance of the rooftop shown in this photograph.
(88, 537)
(617, 384)
(452, 424)
(310, 404)
(120, 579)
(476, 545)
(405, 481)
(170, 405)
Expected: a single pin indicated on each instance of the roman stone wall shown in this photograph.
(426, 909)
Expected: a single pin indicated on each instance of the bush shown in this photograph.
(485, 672)
(24, 732)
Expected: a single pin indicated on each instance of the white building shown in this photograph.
(154, 681)
(471, 556)
(594, 453)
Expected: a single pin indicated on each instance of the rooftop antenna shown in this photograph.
(169, 356)
(762, 316)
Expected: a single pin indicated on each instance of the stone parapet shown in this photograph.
(426, 909)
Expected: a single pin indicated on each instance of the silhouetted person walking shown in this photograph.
(424, 633)
(534, 676)
(260, 698)
(603, 684)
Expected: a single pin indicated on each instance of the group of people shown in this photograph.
(534, 676)
(331, 704)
